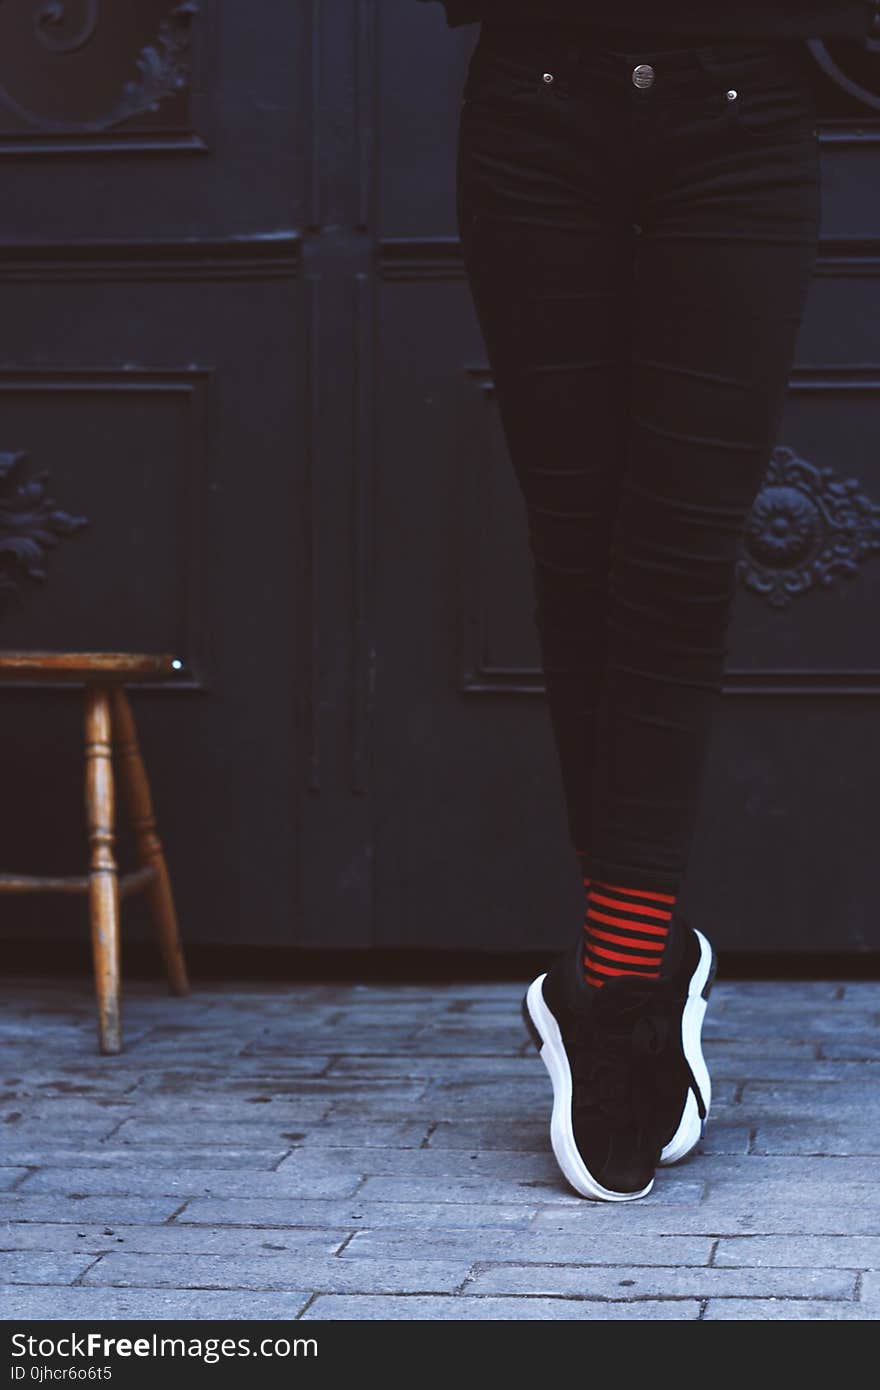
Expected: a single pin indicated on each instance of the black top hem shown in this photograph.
(745, 19)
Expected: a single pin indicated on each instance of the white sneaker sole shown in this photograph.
(691, 1127)
(553, 1055)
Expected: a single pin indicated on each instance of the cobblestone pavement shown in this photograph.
(362, 1151)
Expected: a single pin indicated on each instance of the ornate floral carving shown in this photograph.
(806, 528)
(163, 66)
(30, 525)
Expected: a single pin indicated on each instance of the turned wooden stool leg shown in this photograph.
(103, 880)
(149, 848)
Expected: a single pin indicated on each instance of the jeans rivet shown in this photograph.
(548, 77)
(732, 94)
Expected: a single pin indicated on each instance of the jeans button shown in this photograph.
(643, 75)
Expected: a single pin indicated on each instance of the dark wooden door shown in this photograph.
(239, 340)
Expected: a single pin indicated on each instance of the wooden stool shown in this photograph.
(108, 722)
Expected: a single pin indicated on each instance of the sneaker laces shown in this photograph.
(611, 1051)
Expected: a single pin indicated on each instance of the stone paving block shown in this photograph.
(239, 1112)
(362, 1308)
(302, 1090)
(505, 1096)
(77, 1080)
(173, 1238)
(127, 1156)
(782, 1310)
(870, 1292)
(186, 1105)
(241, 1211)
(862, 1049)
(850, 1093)
(746, 1052)
(820, 1140)
(477, 991)
(22, 1131)
(437, 1042)
(451, 1189)
(334, 1131)
(368, 992)
(690, 1282)
(106, 1304)
(772, 1068)
(531, 1136)
(431, 1110)
(778, 993)
(827, 1252)
(533, 1247)
(248, 1072)
(203, 1068)
(377, 1038)
(792, 1168)
(55, 1032)
(42, 1267)
(58, 1113)
(816, 1112)
(108, 1210)
(423, 1163)
(533, 1191)
(213, 1133)
(742, 1194)
(275, 1271)
(457, 1069)
(721, 1138)
(738, 1021)
(867, 991)
(753, 1217)
(200, 1182)
(398, 1009)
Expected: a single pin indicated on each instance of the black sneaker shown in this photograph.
(631, 1089)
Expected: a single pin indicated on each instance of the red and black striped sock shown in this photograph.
(625, 931)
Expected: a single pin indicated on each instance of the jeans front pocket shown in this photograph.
(769, 99)
(774, 113)
(498, 73)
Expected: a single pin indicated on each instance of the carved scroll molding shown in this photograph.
(51, 30)
(31, 524)
(829, 63)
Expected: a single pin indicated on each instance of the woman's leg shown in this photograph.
(730, 222)
(640, 384)
(640, 380)
(546, 226)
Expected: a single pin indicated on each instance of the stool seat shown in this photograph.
(79, 666)
(110, 736)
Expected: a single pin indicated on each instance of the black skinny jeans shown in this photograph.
(639, 259)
